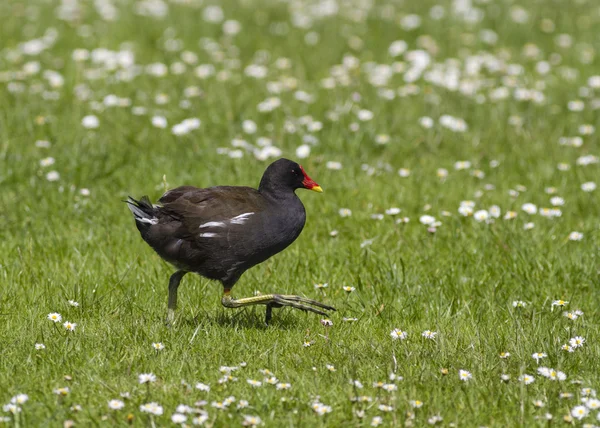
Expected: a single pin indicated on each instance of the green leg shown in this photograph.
(276, 301)
(172, 305)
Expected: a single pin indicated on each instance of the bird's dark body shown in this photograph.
(179, 238)
(220, 232)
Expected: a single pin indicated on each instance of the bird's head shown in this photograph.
(287, 174)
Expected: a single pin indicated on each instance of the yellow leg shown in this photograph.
(275, 301)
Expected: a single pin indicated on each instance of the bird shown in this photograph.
(220, 232)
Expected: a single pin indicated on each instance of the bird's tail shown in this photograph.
(143, 211)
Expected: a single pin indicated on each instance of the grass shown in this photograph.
(58, 244)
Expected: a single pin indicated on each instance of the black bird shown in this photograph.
(220, 232)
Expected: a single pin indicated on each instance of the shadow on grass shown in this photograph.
(245, 319)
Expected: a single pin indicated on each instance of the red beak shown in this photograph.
(309, 183)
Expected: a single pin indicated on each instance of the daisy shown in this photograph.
(251, 421)
(158, 346)
(42, 144)
(441, 173)
(385, 408)
(178, 418)
(538, 356)
(243, 404)
(282, 386)
(255, 383)
(116, 404)
(11, 408)
(376, 421)
(53, 176)
(577, 342)
(159, 121)
(19, 399)
(356, 383)
(464, 375)
(434, 419)
(416, 404)
(303, 151)
(382, 139)
(481, 216)
(559, 303)
(152, 408)
(54, 316)
(428, 334)
(320, 286)
(398, 334)
(219, 405)
(200, 420)
(579, 412)
(590, 186)
(389, 387)
(62, 391)
(90, 122)
(203, 387)
(529, 208)
(592, 404)
(40, 346)
(544, 371)
(427, 220)
(70, 326)
(183, 408)
(504, 355)
(575, 236)
(147, 378)
(271, 380)
(326, 322)
(364, 115)
(567, 348)
(349, 289)
(47, 162)
(321, 409)
(526, 379)
(330, 367)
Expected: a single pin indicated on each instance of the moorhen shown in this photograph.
(220, 232)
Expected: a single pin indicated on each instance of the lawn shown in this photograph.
(458, 234)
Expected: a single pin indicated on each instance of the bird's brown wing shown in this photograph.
(211, 209)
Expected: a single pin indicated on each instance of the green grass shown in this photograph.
(57, 244)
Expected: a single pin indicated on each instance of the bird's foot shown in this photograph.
(170, 320)
(277, 301)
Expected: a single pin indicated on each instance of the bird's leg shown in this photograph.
(173, 285)
(275, 301)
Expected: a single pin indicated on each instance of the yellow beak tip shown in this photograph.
(317, 189)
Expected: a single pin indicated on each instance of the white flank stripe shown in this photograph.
(241, 219)
(147, 220)
(208, 235)
(212, 224)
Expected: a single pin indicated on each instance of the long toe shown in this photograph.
(284, 302)
(306, 300)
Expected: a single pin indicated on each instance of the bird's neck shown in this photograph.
(274, 190)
